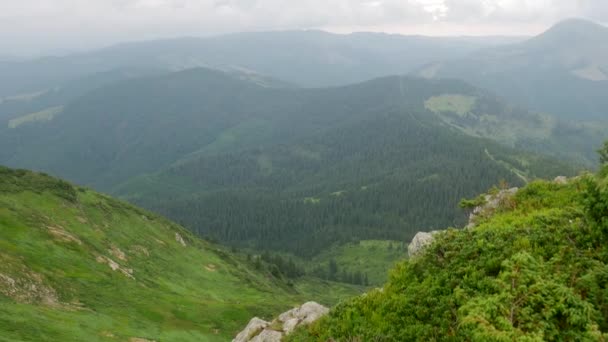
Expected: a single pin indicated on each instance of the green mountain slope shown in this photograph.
(242, 163)
(386, 175)
(562, 72)
(533, 269)
(77, 265)
(140, 126)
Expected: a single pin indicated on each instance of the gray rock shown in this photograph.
(268, 336)
(562, 180)
(261, 331)
(290, 325)
(254, 328)
(493, 202)
(420, 242)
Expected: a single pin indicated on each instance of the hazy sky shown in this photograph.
(38, 26)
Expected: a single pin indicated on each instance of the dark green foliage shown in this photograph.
(12, 181)
(536, 271)
(385, 178)
(286, 267)
(293, 170)
(603, 152)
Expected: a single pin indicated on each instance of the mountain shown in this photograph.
(533, 268)
(14, 107)
(142, 125)
(115, 271)
(306, 58)
(563, 72)
(240, 162)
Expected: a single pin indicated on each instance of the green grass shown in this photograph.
(41, 116)
(54, 235)
(372, 257)
(459, 104)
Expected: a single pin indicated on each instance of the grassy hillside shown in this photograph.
(77, 265)
(532, 270)
(370, 259)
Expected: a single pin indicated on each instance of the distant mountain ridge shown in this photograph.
(305, 58)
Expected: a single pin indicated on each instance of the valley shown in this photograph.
(176, 189)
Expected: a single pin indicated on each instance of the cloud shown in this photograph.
(40, 24)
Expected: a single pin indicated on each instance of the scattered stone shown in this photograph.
(562, 180)
(115, 266)
(107, 334)
(180, 239)
(60, 234)
(117, 253)
(28, 287)
(261, 331)
(141, 250)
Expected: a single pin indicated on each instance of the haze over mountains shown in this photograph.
(185, 142)
(310, 156)
(563, 71)
(305, 58)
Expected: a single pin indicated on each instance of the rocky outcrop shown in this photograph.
(259, 330)
(420, 242)
(253, 329)
(492, 202)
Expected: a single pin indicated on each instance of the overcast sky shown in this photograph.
(43, 26)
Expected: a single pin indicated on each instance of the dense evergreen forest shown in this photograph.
(383, 178)
(285, 169)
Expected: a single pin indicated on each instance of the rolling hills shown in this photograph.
(77, 265)
(305, 58)
(291, 169)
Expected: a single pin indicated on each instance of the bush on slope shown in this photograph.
(536, 270)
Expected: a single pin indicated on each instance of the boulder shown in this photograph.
(420, 242)
(252, 330)
(290, 325)
(268, 336)
(261, 331)
(562, 180)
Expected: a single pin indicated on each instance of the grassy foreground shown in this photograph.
(76, 265)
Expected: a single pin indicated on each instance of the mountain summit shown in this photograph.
(563, 71)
